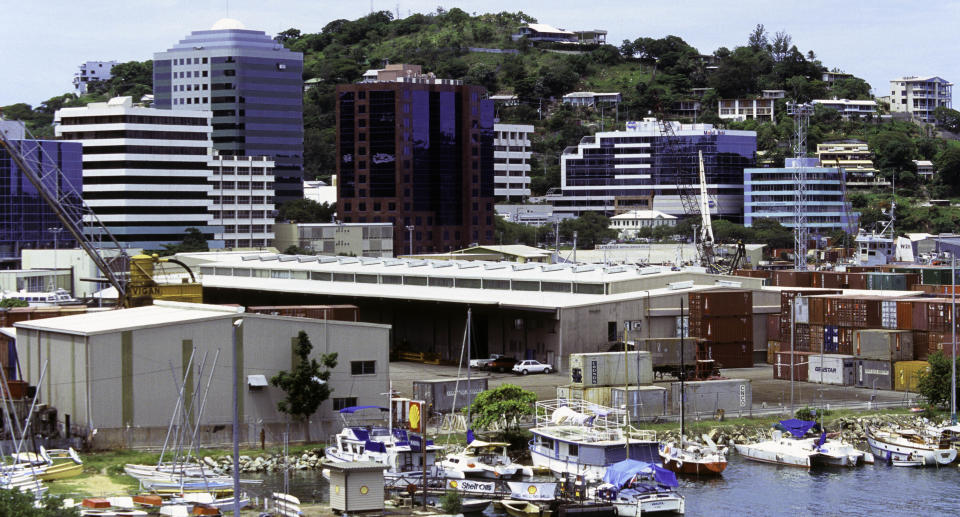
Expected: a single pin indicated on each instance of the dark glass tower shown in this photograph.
(417, 153)
(253, 86)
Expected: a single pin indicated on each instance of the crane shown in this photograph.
(705, 244)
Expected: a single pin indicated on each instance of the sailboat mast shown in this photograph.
(469, 398)
(683, 371)
(626, 390)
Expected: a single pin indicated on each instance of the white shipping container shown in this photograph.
(733, 396)
(832, 369)
(611, 368)
(888, 314)
(642, 402)
(802, 308)
(599, 395)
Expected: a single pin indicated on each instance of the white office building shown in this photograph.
(629, 224)
(243, 197)
(91, 71)
(919, 96)
(145, 171)
(849, 108)
(511, 161)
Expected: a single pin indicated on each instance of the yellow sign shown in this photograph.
(531, 489)
(414, 416)
(364, 490)
(336, 489)
(453, 484)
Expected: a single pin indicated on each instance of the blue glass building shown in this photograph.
(637, 169)
(253, 86)
(25, 219)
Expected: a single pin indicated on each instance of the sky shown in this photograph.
(45, 41)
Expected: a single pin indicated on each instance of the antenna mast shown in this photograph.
(801, 115)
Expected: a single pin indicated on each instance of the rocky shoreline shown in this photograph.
(307, 460)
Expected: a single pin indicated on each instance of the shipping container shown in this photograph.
(886, 282)
(883, 344)
(800, 362)
(921, 345)
(730, 355)
(666, 351)
(439, 394)
(773, 327)
(641, 402)
(729, 329)
(832, 369)
(940, 342)
(831, 339)
(720, 303)
(596, 394)
(936, 276)
(888, 314)
(611, 368)
(906, 374)
(772, 348)
(793, 278)
(733, 396)
(855, 281)
(874, 374)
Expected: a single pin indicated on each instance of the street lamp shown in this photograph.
(410, 237)
(236, 421)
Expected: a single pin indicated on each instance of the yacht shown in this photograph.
(42, 299)
(693, 458)
(576, 438)
(908, 447)
(881, 245)
(638, 488)
(394, 448)
(794, 450)
(480, 459)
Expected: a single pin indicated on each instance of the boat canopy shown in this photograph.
(620, 473)
(354, 409)
(798, 428)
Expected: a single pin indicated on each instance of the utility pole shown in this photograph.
(953, 347)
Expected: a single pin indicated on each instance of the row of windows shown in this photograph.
(189, 61)
(190, 87)
(190, 73)
(134, 119)
(145, 149)
(133, 133)
(191, 100)
(241, 214)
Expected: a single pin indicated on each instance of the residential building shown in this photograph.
(529, 214)
(746, 109)
(925, 169)
(348, 239)
(591, 37)
(920, 96)
(505, 100)
(773, 94)
(770, 193)
(629, 224)
(544, 32)
(392, 72)
(417, 152)
(145, 170)
(91, 71)
(832, 77)
(637, 169)
(253, 87)
(853, 156)
(530, 310)
(243, 200)
(687, 109)
(591, 98)
(26, 221)
(850, 108)
(110, 370)
(511, 161)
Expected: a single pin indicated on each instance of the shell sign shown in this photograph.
(413, 415)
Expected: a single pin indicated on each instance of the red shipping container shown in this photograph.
(721, 303)
(905, 315)
(856, 281)
(727, 329)
(731, 355)
(773, 327)
(921, 345)
(798, 360)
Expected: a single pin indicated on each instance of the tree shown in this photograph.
(507, 402)
(947, 118)
(592, 229)
(934, 385)
(7, 303)
(850, 88)
(894, 151)
(21, 504)
(306, 211)
(757, 40)
(194, 240)
(306, 386)
(948, 167)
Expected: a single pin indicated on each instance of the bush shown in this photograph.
(450, 502)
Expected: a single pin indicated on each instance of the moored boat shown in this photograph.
(525, 509)
(694, 458)
(485, 460)
(909, 447)
(794, 450)
(637, 488)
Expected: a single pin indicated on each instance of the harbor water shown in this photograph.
(756, 489)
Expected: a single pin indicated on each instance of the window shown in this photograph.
(612, 331)
(363, 367)
(340, 403)
(573, 449)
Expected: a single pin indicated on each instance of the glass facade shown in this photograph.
(25, 219)
(633, 164)
(420, 155)
(253, 86)
(771, 193)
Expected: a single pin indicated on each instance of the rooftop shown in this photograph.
(643, 214)
(161, 313)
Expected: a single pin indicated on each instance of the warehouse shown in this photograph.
(531, 311)
(117, 373)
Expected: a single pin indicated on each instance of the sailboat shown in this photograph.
(794, 450)
(687, 457)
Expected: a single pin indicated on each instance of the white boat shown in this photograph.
(42, 299)
(394, 448)
(637, 488)
(909, 447)
(694, 458)
(881, 245)
(792, 449)
(480, 459)
(574, 437)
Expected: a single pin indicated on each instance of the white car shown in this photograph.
(531, 366)
(483, 363)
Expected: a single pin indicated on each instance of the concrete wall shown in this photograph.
(134, 376)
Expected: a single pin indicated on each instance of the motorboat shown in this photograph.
(638, 488)
(42, 299)
(577, 438)
(525, 509)
(693, 458)
(485, 460)
(795, 450)
(902, 446)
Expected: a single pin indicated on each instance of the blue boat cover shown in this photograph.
(374, 446)
(400, 434)
(361, 434)
(354, 409)
(620, 473)
(798, 428)
(470, 436)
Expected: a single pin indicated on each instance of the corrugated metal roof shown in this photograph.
(161, 313)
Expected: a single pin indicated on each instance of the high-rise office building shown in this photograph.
(770, 193)
(145, 170)
(417, 152)
(511, 161)
(253, 86)
(616, 171)
(26, 222)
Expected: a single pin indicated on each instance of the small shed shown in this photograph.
(356, 486)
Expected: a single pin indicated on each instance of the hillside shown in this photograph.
(651, 74)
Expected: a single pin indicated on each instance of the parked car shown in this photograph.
(502, 364)
(531, 366)
(484, 363)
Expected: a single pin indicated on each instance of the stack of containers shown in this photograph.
(931, 322)
(800, 361)
(877, 351)
(594, 375)
(724, 318)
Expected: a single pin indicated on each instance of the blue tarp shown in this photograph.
(354, 409)
(620, 473)
(798, 428)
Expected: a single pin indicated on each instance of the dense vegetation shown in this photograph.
(652, 74)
